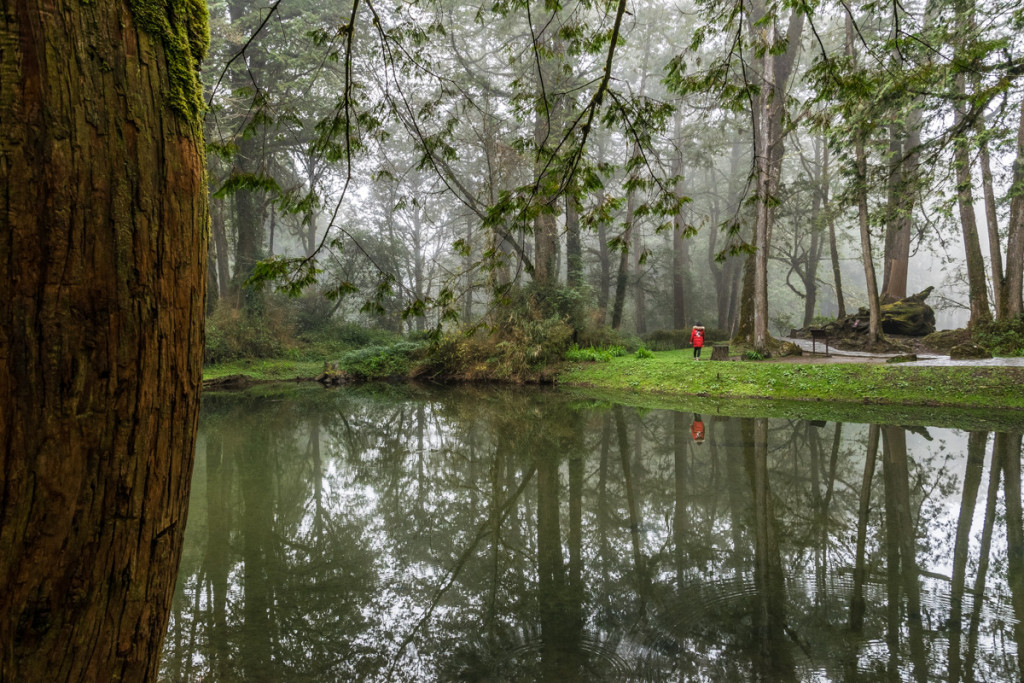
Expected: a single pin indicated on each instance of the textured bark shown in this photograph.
(976, 277)
(680, 251)
(769, 136)
(1013, 286)
(102, 278)
(573, 244)
(833, 250)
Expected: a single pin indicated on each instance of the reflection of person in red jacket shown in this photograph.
(697, 429)
(697, 339)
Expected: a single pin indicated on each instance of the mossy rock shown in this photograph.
(904, 358)
(944, 340)
(790, 349)
(968, 351)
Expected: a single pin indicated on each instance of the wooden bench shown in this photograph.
(720, 352)
(819, 334)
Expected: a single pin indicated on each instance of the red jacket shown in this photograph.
(697, 337)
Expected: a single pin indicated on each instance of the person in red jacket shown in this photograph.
(697, 429)
(697, 339)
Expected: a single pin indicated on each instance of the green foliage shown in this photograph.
(382, 362)
(595, 355)
(754, 355)
(1003, 337)
(231, 335)
(643, 353)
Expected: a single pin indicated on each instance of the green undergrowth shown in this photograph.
(675, 374)
(264, 369)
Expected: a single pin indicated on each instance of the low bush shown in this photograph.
(1002, 337)
(643, 353)
(231, 335)
(382, 362)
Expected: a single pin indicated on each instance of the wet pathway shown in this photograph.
(938, 361)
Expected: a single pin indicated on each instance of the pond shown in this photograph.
(518, 535)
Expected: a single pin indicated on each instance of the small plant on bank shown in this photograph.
(643, 353)
(753, 355)
(1002, 337)
(594, 355)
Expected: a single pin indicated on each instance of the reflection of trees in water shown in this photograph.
(510, 535)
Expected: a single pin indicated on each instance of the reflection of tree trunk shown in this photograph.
(737, 497)
(901, 549)
(256, 529)
(217, 563)
(773, 660)
(681, 520)
(561, 629)
(972, 478)
(1008, 446)
(859, 568)
(634, 520)
(995, 470)
(603, 513)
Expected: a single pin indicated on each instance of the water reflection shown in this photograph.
(514, 535)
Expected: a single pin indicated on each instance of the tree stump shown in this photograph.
(720, 352)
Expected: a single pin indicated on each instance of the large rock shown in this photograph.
(911, 316)
(968, 351)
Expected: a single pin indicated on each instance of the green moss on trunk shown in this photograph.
(184, 28)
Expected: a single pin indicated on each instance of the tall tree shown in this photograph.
(103, 212)
(776, 55)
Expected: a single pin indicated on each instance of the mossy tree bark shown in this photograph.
(102, 274)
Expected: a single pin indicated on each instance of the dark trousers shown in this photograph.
(696, 351)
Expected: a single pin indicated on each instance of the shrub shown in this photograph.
(381, 362)
(753, 355)
(1002, 337)
(231, 335)
(643, 353)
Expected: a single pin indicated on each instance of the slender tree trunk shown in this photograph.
(1013, 286)
(104, 219)
(639, 295)
(573, 245)
(680, 255)
(992, 222)
(874, 307)
(833, 250)
(622, 278)
(976, 277)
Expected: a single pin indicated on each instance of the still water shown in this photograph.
(519, 535)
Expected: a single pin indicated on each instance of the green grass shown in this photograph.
(265, 369)
(674, 373)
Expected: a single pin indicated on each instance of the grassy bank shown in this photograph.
(676, 374)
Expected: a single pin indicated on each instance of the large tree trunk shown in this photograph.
(769, 136)
(1013, 286)
(976, 277)
(680, 251)
(104, 219)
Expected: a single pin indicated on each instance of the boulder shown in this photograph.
(968, 351)
(905, 358)
(790, 349)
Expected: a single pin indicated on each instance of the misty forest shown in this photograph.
(497, 236)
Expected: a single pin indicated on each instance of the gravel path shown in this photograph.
(937, 361)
